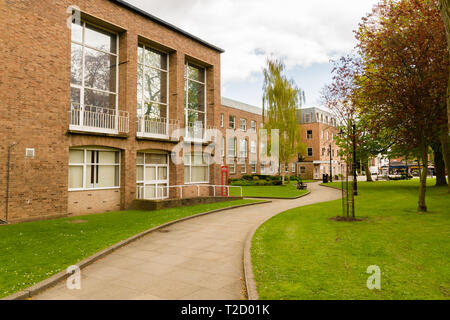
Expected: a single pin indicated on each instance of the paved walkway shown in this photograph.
(196, 259)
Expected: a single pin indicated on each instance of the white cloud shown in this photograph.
(302, 32)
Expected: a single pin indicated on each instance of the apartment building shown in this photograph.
(319, 128)
(98, 102)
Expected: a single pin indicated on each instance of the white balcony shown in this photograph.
(98, 120)
(158, 128)
(196, 132)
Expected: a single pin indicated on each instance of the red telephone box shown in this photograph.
(224, 181)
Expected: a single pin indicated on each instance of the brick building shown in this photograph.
(97, 106)
(319, 128)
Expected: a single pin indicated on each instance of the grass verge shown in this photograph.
(34, 251)
(302, 254)
(288, 191)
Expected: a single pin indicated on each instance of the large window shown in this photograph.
(152, 175)
(94, 70)
(196, 168)
(243, 148)
(222, 147)
(253, 166)
(232, 142)
(93, 169)
(195, 100)
(153, 83)
(252, 146)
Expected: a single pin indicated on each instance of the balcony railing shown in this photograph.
(160, 128)
(198, 132)
(98, 119)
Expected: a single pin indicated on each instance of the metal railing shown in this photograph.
(98, 119)
(156, 127)
(198, 132)
(161, 193)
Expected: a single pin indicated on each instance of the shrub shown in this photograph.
(255, 178)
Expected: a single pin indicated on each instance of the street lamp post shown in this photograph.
(331, 168)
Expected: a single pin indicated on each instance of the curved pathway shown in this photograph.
(199, 258)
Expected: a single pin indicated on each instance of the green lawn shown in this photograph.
(34, 251)
(302, 254)
(287, 191)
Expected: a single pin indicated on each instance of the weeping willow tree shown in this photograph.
(281, 101)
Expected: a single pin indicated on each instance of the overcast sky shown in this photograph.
(305, 33)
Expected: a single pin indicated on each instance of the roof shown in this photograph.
(166, 24)
(241, 106)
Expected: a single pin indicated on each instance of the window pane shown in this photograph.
(107, 157)
(186, 174)
(196, 96)
(155, 59)
(100, 70)
(106, 176)
(90, 176)
(100, 39)
(150, 173)
(140, 84)
(199, 174)
(195, 73)
(139, 173)
(150, 191)
(77, 32)
(141, 54)
(140, 158)
(162, 173)
(75, 96)
(155, 85)
(76, 64)
(153, 158)
(99, 99)
(76, 156)
(75, 177)
(162, 191)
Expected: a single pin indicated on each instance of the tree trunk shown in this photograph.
(366, 168)
(439, 165)
(445, 143)
(423, 179)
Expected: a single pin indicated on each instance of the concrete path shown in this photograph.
(197, 259)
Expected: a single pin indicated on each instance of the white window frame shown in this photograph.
(243, 125)
(253, 126)
(243, 153)
(312, 152)
(166, 104)
(158, 182)
(253, 147)
(186, 103)
(262, 167)
(86, 164)
(234, 144)
(221, 120)
(309, 136)
(190, 165)
(222, 146)
(253, 167)
(232, 168)
(243, 168)
(82, 87)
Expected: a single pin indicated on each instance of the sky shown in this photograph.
(305, 34)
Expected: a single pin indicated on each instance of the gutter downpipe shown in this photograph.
(7, 183)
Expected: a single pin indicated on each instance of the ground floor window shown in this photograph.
(302, 169)
(244, 168)
(152, 175)
(263, 167)
(196, 168)
(253, 166)
(232, 168)
(293, 167)
(93, 169)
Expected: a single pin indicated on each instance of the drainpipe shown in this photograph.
(7, 182)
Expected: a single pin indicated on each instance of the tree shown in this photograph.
(342, 98)
(405, 73)
(281, 102)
